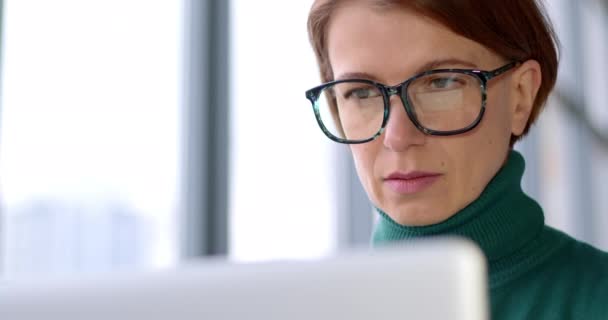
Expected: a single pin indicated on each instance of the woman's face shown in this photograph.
(390, 46)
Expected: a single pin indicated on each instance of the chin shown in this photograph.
(417, 216)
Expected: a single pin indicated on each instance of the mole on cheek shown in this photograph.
(442, 164)
(490, 141)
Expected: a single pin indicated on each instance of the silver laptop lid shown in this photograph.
(439, 279)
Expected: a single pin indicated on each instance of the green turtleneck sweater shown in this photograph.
(535, 271)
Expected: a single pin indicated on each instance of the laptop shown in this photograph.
(425, 279)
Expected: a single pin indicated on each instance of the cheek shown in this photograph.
(364, 156)
(498, 117)
(476, 157)
(490, 144)
(490, 140)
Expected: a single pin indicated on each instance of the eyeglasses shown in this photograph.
(439, 102)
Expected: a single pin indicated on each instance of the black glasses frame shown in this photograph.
(387, 91)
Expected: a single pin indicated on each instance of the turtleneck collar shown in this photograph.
(502, 221)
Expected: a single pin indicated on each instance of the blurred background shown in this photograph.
(136, 134)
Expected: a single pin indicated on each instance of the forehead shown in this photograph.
(394, 43)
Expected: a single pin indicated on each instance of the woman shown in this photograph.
(432, 135)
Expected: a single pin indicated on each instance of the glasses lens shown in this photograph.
(445, 101)
(351, 110)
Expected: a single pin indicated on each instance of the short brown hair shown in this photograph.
(516, 30)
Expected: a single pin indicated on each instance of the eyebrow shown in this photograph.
(434, 64)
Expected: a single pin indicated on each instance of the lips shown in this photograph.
(410, 182)
(411, 175)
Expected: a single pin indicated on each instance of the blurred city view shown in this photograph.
(66, 236)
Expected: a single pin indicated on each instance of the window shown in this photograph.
(282, 166)
(89, 150)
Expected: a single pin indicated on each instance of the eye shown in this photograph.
(442, 83)
(362, 93)
(450, 82)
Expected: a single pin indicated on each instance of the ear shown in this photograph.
(526, 80)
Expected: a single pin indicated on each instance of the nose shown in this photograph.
(400, 133)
